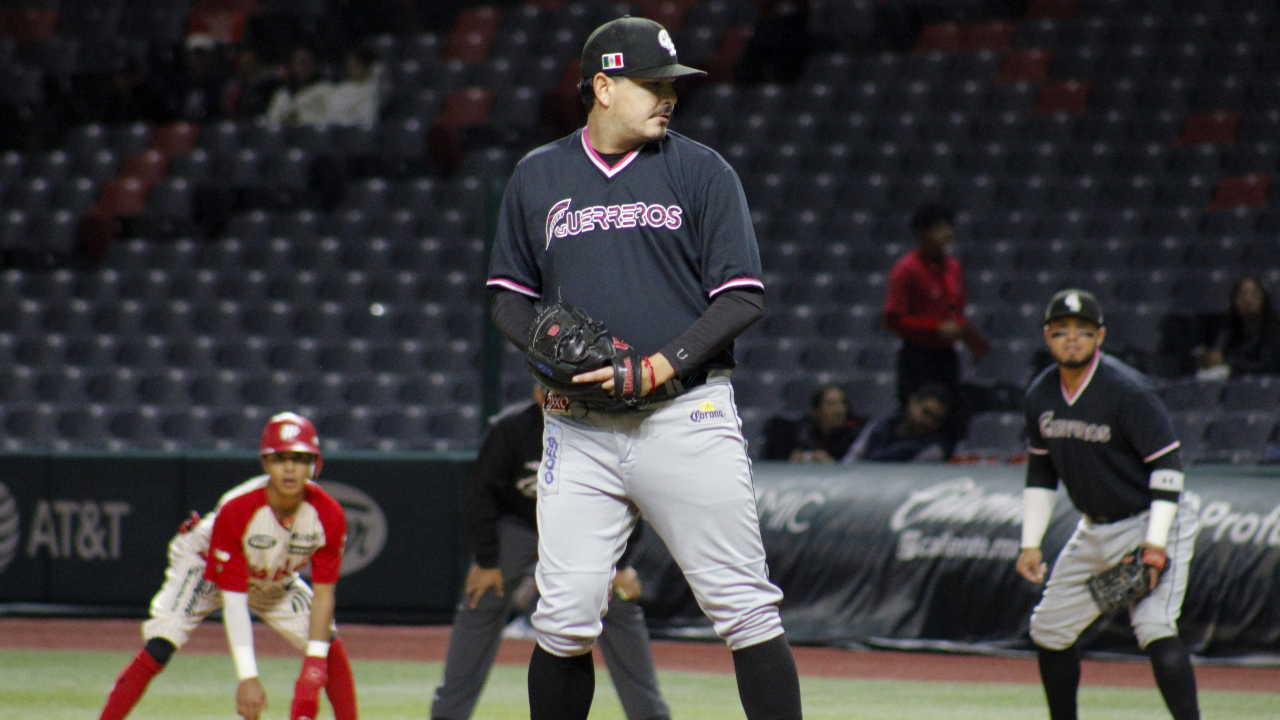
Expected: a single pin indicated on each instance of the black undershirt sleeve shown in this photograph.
(1040, 472)
(730, 312)
(493, 467)
(1171, 460)
(513, 314)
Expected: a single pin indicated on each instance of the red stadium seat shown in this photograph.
(1025, 66)
(965, 37)
(1052, 9)
(122, 197)
(29, 24)
(942, 37)
(994, 35)
(1250, 190)
(223, 25)
(176, 139)
(148, 166)
(1210, 128)
(670, 13)
(1071, 96)
(472, 35)
(465, 108)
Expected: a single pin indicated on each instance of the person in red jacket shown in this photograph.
(925, 306)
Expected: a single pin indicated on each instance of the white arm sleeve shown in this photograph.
(235, 617)
(1037, 509)
(1162, 514)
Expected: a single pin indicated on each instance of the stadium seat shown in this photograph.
(1249, 394)
(1238, 438)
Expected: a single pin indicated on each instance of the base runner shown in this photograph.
(260, 534)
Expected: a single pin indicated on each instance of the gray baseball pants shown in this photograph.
(1067, 608)
(477, 633)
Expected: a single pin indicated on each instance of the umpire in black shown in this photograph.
(1097, 425)
(500, 520)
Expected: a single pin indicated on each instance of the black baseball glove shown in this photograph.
(565, 342)
(1128, 582)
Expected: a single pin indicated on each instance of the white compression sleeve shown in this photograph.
(1037, 509)
(1162, 514)
(235, 617)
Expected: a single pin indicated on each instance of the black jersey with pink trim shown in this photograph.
(643, 246)
(1102, 440)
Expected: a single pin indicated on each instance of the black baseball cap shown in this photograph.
(632, 47)
(1074, 303)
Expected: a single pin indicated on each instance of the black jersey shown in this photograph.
(642, 246)
(1099, 440)
(504, 480)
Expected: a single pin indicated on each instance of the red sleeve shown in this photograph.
(227, 567)
(327, 560)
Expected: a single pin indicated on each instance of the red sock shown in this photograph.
(130, 686)
(342, 685)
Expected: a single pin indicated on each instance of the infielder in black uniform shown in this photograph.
(1097, 425)
(649, 233)
(500, 519)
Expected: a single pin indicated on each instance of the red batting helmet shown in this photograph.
(290, 432)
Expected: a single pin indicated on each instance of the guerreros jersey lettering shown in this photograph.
(1100, 439)
(251, 549)
(643, 246)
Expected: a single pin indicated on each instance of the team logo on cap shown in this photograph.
(613, 61)
(1073, 302)
(664, 39)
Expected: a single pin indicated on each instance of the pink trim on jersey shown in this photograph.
(736, 282)
(1163, 451)
(1036, 451)
(599, 162)
(513, 287)
(1093, 367)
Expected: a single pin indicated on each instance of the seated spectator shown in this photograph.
(916, 432)
(1250, 342)
(822, 437)
(304, 99)
(358, 99)
(249, 92)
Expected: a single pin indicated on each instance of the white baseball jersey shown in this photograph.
(251, 548)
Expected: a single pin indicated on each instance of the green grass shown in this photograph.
(39, 685)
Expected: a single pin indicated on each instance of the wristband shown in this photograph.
(1159, 522)
(1037, 511)
(317, 648)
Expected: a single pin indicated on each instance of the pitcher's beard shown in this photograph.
(1075, 364)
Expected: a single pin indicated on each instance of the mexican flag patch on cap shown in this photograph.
(611, 61)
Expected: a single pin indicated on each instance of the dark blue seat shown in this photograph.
(1251, 394)
(1238, 438)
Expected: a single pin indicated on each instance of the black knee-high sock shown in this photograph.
(1060, 673)
(560, 688)
(1175, 677)
(767, 681)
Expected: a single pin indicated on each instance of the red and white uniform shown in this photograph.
(251, 551)
(187, 597)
